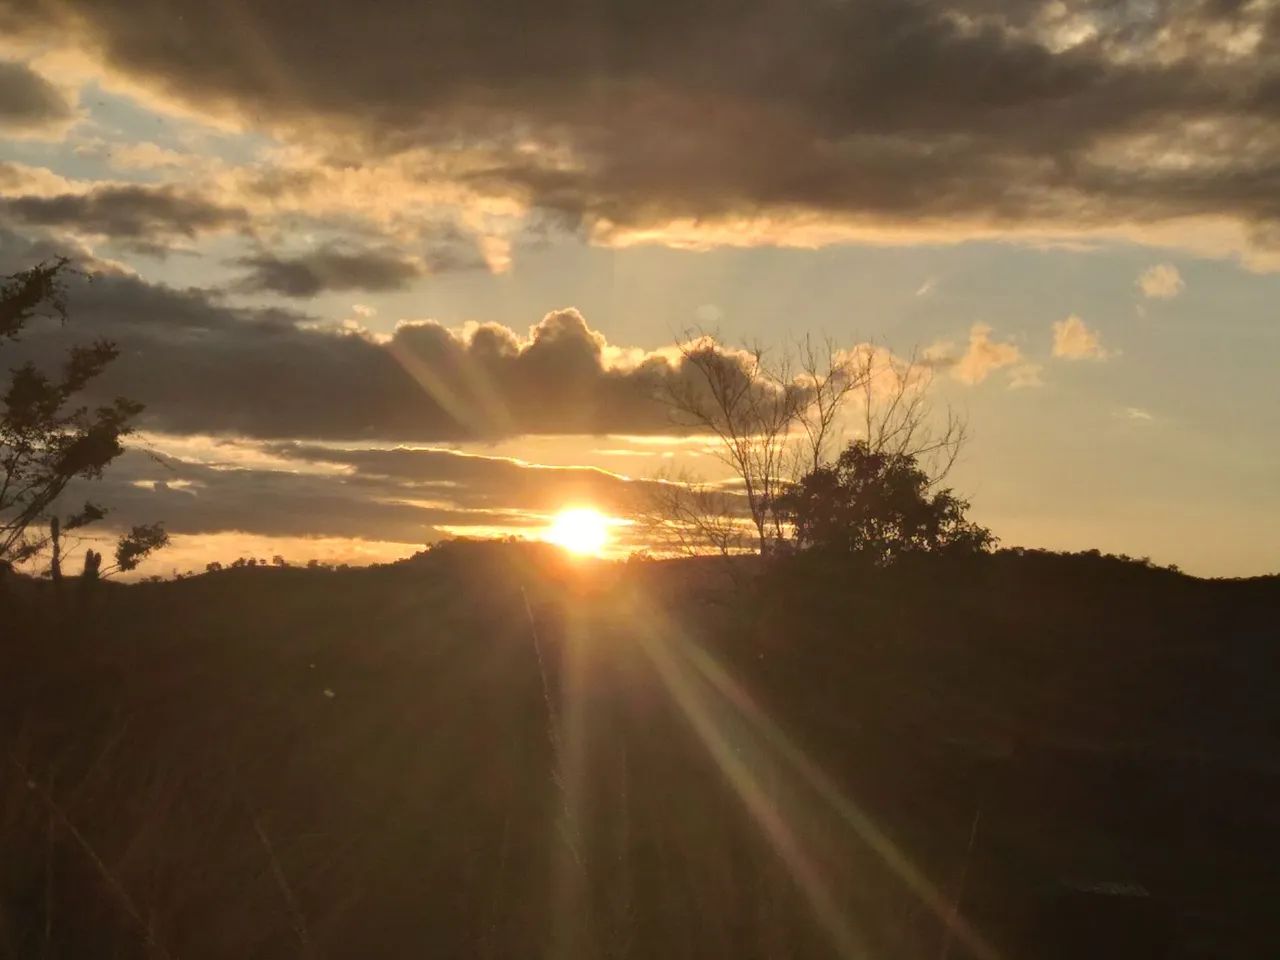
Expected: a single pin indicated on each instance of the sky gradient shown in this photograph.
(383, 275)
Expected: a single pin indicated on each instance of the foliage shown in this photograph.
(139, 543)
(878, 505)
(47, 438)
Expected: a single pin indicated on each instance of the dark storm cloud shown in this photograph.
(327, 269)
(126, 212)
(203, 366)
(29, 102)
(887, 109)
(337, 268)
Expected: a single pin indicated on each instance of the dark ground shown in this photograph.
(491, 752)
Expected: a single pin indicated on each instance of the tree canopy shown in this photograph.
(879, 505)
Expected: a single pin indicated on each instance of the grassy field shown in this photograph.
(491, 751)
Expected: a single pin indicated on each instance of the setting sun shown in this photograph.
(580, 530)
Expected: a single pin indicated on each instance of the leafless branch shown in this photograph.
(776, 416)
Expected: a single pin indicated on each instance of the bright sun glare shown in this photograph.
(580, 530)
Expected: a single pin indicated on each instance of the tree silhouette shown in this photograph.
(772, 416)
(750, 403)
(139, 543)
(47, 439)
(878, 505)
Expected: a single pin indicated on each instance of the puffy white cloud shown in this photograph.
(1161, 282)
(981, 357)
(1073, 340)
(203, 366)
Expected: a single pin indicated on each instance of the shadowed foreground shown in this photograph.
(490, 752)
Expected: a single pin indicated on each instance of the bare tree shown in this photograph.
(774, 419)
(898, 414)
(828, 376)
(750, 406)
(679, 513)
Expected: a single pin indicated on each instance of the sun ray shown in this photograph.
(721, 713)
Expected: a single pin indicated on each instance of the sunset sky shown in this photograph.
(384, 273)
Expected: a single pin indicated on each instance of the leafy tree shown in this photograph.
(139, 543)
(47, 438)
(878, 505)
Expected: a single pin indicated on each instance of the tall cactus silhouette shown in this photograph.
(89, 577)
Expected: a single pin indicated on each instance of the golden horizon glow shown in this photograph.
(580, 530)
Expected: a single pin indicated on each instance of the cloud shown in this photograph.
(30, 104)
(1026, 375)
(147, 157)
(372, 246)
(328, 268)
(476, 482)
(128, 212)
(344, 267)
(1073, 340)
(18, 179)
(983, 356)
(19, 252)
(1161, 282)
(204, 366)
(202, 487)
(944, 116)
(196, 498)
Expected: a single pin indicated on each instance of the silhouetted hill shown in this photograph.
(491, 750)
